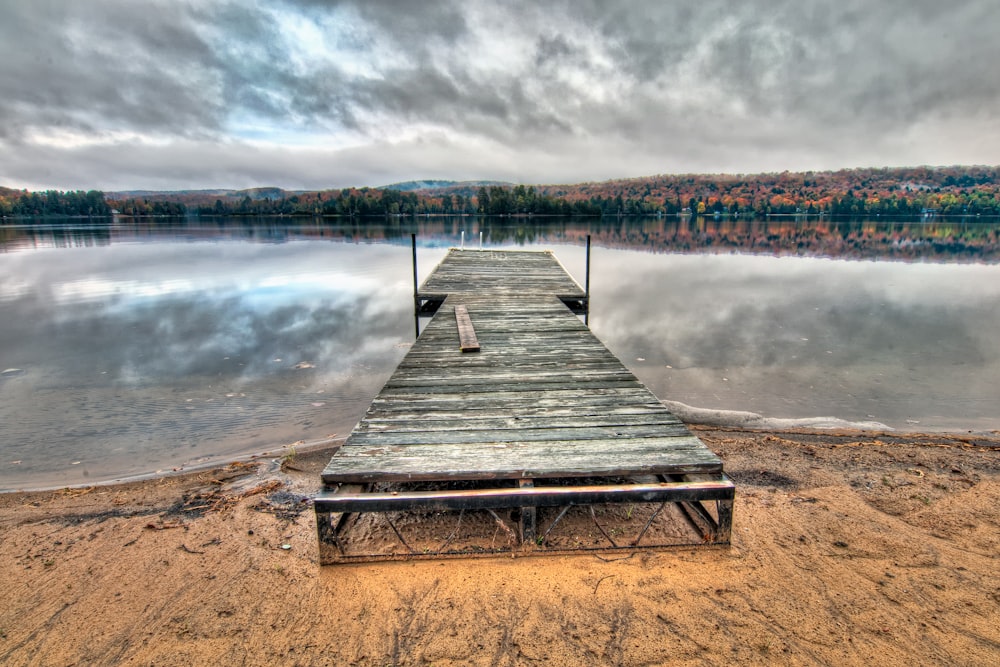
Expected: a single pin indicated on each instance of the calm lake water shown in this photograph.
(132, 348)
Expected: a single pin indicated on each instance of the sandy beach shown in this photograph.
(848, 548)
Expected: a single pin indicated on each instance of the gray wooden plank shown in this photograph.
(554, 385)
(422, 377)
(485, 361)
(582, 397)
(488, 460)
(608, 412)
(573, 401)
(497, 421)
(608, 434)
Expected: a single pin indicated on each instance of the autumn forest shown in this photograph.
(945, 191)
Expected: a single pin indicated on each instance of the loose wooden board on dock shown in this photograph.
(467, 341)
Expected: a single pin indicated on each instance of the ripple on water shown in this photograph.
(59, 437)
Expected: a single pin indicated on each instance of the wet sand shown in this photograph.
(848, 548)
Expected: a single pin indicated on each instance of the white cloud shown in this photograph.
(309, 94)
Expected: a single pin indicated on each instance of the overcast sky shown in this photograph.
(169, 94)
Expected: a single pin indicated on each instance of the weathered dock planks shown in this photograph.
(542, 399)
(505, 275)
(501, 273)
(490, 431)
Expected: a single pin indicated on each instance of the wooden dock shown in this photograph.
(537, 414)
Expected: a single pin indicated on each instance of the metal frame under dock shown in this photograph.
(509, 418)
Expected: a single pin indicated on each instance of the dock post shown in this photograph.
(586, 286)
(416, 296)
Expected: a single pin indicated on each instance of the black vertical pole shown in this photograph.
(586, 286)
(416, 298)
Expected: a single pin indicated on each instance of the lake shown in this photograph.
(130, 348)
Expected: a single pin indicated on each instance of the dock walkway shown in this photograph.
(542, 415)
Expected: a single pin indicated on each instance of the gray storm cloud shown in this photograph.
(119, 94)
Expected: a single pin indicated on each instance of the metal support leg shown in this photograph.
(723, 533)
(529, 517)
(330, 549)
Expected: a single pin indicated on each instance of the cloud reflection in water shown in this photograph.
(194, 351)
(795, 337)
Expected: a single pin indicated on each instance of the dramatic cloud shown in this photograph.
(119, 94)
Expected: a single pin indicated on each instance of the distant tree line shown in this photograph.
(521, 200)
(53, 202)
(352, 203)
(368, 202)
(851, 192)
(363, 202)
(147, 206)
(946, 191)
(782, 202)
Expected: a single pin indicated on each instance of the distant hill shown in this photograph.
(431, 186)
(123, 194)
(413, 186)
(255, 194)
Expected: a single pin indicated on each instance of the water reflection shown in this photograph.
(938, 240)
(136, 347)
(909, 345)
(140, 356)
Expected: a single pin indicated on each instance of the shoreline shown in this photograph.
(697, 419)
(848, 547)
(324, 444)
